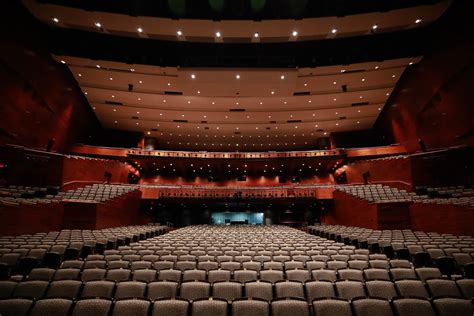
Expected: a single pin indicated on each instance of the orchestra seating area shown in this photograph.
(29, 195)
(240, 270)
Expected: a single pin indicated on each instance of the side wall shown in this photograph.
(433, 99)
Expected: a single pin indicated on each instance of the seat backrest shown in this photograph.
(371, 306)
(51, 306)
(411, 288)
(244, 307)
(15, 306)
(379, 288)
(206, 307)
(319, 289)
(64, 288)
(227, 290)
(442, 287)
(162, 289)
(98, 289)
(130, 289)
(259, 289)
(166, 307)
(195, 290)
(289, 289)
(453, 307)
(349, 289)
(285, 307)
(412, 307)
(34, 289)
(136, 307)
(331, 306)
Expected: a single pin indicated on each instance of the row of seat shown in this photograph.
(241, 307)
(230, 290)
(241, 275)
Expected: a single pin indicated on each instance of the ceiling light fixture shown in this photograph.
(193, 76)
(294, 33)
(179, 33)
(218, 34)
(139, 30)
(374, 27)
(97, 24)
(334, 31)
(55, 20)
(255, 34)
(418, 20)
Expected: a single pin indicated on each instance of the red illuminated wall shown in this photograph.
(29, 219)
(433, 99)
(76, 169)
(381, 171)
(39, 97)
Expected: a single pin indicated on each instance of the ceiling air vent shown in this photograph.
(268, 127)
(237, 133)
(135, 117)
(180, 121)
(154, 130)
(236, 110)
(206, 127)
(342, 117)
(302, 93)
(203, 122)
(113, 103)
(273, 122)
(320, 130)
(360, 103)
(173, 93)
(294, 121)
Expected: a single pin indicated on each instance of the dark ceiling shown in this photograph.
(240, 9)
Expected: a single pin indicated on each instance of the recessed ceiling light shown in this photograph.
(189, 102)
(139, 30)
(63, 62)
(387, 94)
(169, 84)
(360, 97)
(115, 122)
(261, 102)
(97, 66)
(410, 63)
(179, 33)
(111, 78)
(137, 123)
(325, 133)
(358, 111)
(273, 92)
(309, 101)
(334, 99)
(374, 27)
(379, 109)
(337, 113)
(305, 84)
(199, 92)
(237, 76)
(213, 102)
(376, 67)
(334, 82)
(193, 76)
(285, 102)
(363, 79)
(255, 34)
(294, 33)
(334, 31)
(85, 92)
(80, 75)
(218, 34)
(113, 96)
(164, 100)
(358, 122)
(132, 70)
(55, 20)
(282, 77)
(148, 132)
(418, 20)
(138, 112)
(115, 110)
(139, 81)
(97, 24)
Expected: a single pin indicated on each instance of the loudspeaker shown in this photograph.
(422, 145)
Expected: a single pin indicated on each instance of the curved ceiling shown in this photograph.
(237, 31)
(236, 109)
(244, 10)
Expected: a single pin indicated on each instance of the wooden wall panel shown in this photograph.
(30, 219)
